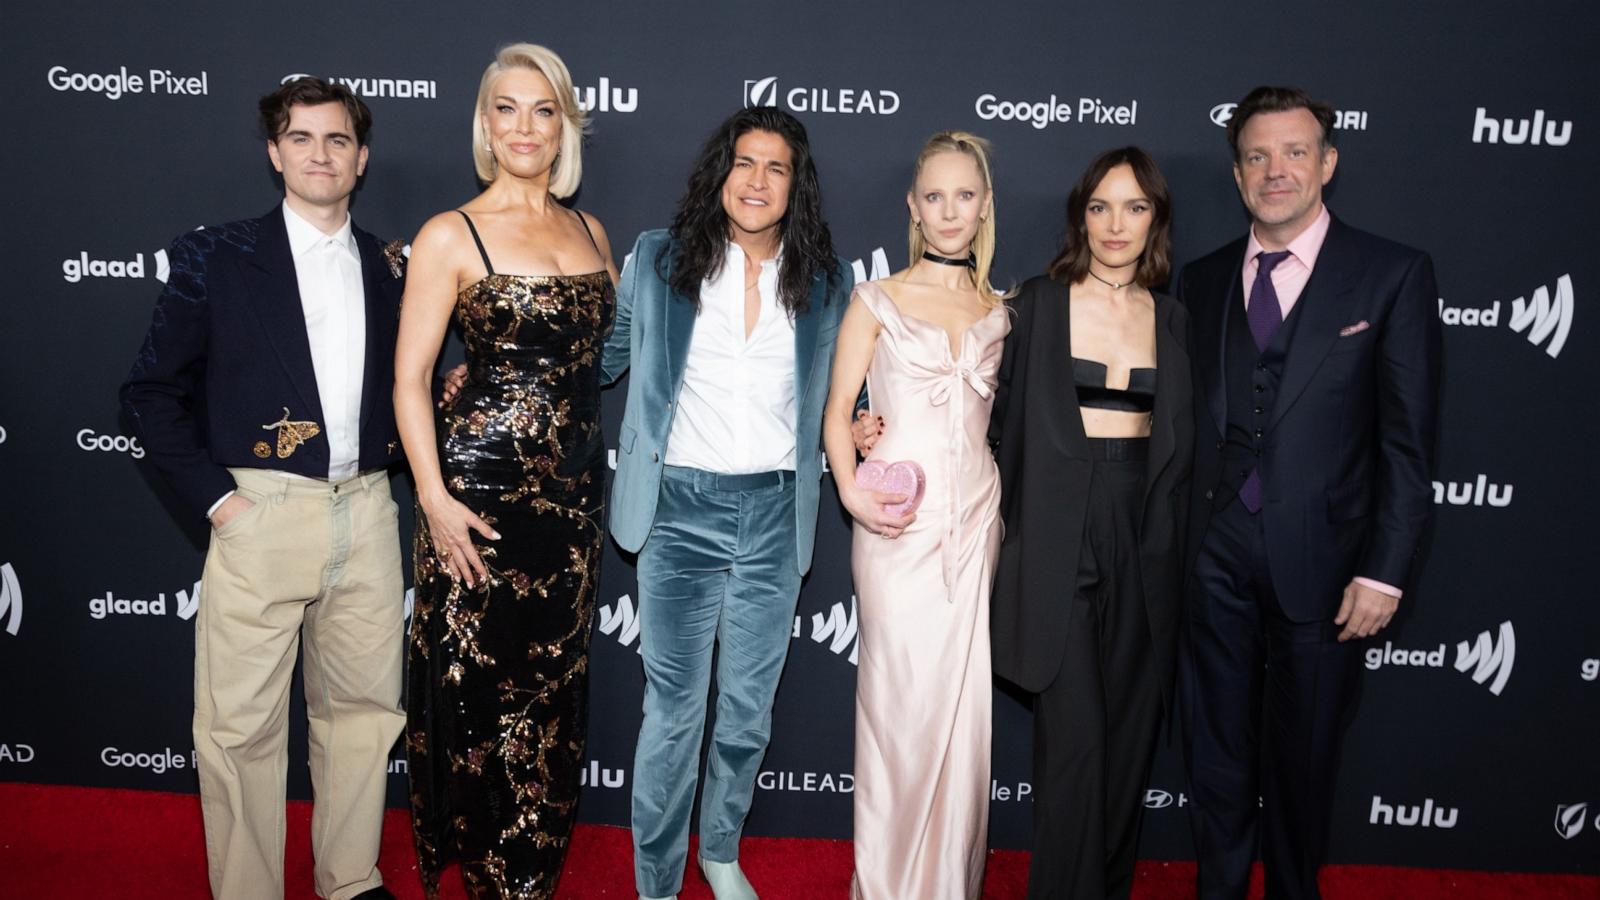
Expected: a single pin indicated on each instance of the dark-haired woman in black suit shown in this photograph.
(1094, 494)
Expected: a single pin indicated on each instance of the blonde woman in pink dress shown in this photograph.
(927, 342)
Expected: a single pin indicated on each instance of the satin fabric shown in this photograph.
(923, 684)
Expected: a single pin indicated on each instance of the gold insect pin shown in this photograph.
(292, 434)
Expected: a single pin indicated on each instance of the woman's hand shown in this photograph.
(867, 507)
(865, 431)
(450, 524)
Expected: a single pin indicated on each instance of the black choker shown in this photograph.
(970, 262)
(1115, 286)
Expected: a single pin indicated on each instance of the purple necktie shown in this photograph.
(1265, 316)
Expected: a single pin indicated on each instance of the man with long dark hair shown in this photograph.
(727, 320)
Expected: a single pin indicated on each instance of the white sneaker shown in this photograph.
(727, 880)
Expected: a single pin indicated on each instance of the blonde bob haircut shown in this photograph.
(983, 243)
(567, 171)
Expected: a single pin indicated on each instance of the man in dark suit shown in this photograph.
(1316, 370)
(262, 393)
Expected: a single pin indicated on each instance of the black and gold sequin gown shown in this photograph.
(498, 675)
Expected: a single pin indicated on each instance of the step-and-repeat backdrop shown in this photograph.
(1464, 129)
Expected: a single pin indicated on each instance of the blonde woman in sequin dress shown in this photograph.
(510, 486)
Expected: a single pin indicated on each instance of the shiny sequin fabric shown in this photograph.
(498, 675)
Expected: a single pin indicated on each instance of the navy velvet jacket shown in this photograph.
(225, 375)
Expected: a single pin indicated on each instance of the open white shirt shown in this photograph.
(736, 409)
(328, 268)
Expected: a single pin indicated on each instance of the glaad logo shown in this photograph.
(1541, 316)
(1545, 316)
(1520, 131)
(10, 599)
(77, 268)
(880, 267)
(1043, 113)
(105, 443)
(606, 98)
(1425, 816)
(863, 101)
(17, 753)
(621, 620)
(1570, 819)
(1487, 657)
(368, 86)
(1472, 493)
(838, 628)
(115, 85)
(1343, 120)
(185, 604)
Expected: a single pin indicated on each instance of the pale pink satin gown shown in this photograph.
(923, 684)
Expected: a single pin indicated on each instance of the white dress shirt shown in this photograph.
(328, 268)
(736, 410)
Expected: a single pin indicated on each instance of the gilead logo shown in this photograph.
(765, 92)
(16, 753)
(807, 782)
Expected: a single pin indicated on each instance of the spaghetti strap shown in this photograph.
(584, 221)
(488, 266)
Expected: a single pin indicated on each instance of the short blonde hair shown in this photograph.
(983, 242)
(567, 171)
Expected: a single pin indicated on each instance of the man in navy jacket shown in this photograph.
(1315, 350)
(262, 393)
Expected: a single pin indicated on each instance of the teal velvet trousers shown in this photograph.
(718, 572)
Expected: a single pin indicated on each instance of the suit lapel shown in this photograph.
(1211, 337)
(1325, 306)
(680, 315)
(1172, 367)
(1054, 380)
(806, 327)
(379, 314)
(274, 297)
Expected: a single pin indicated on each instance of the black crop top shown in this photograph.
(1090, 379)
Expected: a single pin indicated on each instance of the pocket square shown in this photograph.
(1357, 328)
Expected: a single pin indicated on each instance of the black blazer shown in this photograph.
(1349, 445)
(228, 352)
(1043, 457)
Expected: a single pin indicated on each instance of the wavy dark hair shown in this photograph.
(1270, 99)
(700, 227)
(309, 90)
(1071, 264)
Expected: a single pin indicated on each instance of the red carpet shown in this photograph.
(63, 842)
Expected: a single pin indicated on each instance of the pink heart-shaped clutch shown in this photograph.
(903, 477)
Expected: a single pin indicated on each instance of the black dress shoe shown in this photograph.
(378, 893)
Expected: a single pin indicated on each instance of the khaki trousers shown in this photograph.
(319, 562)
